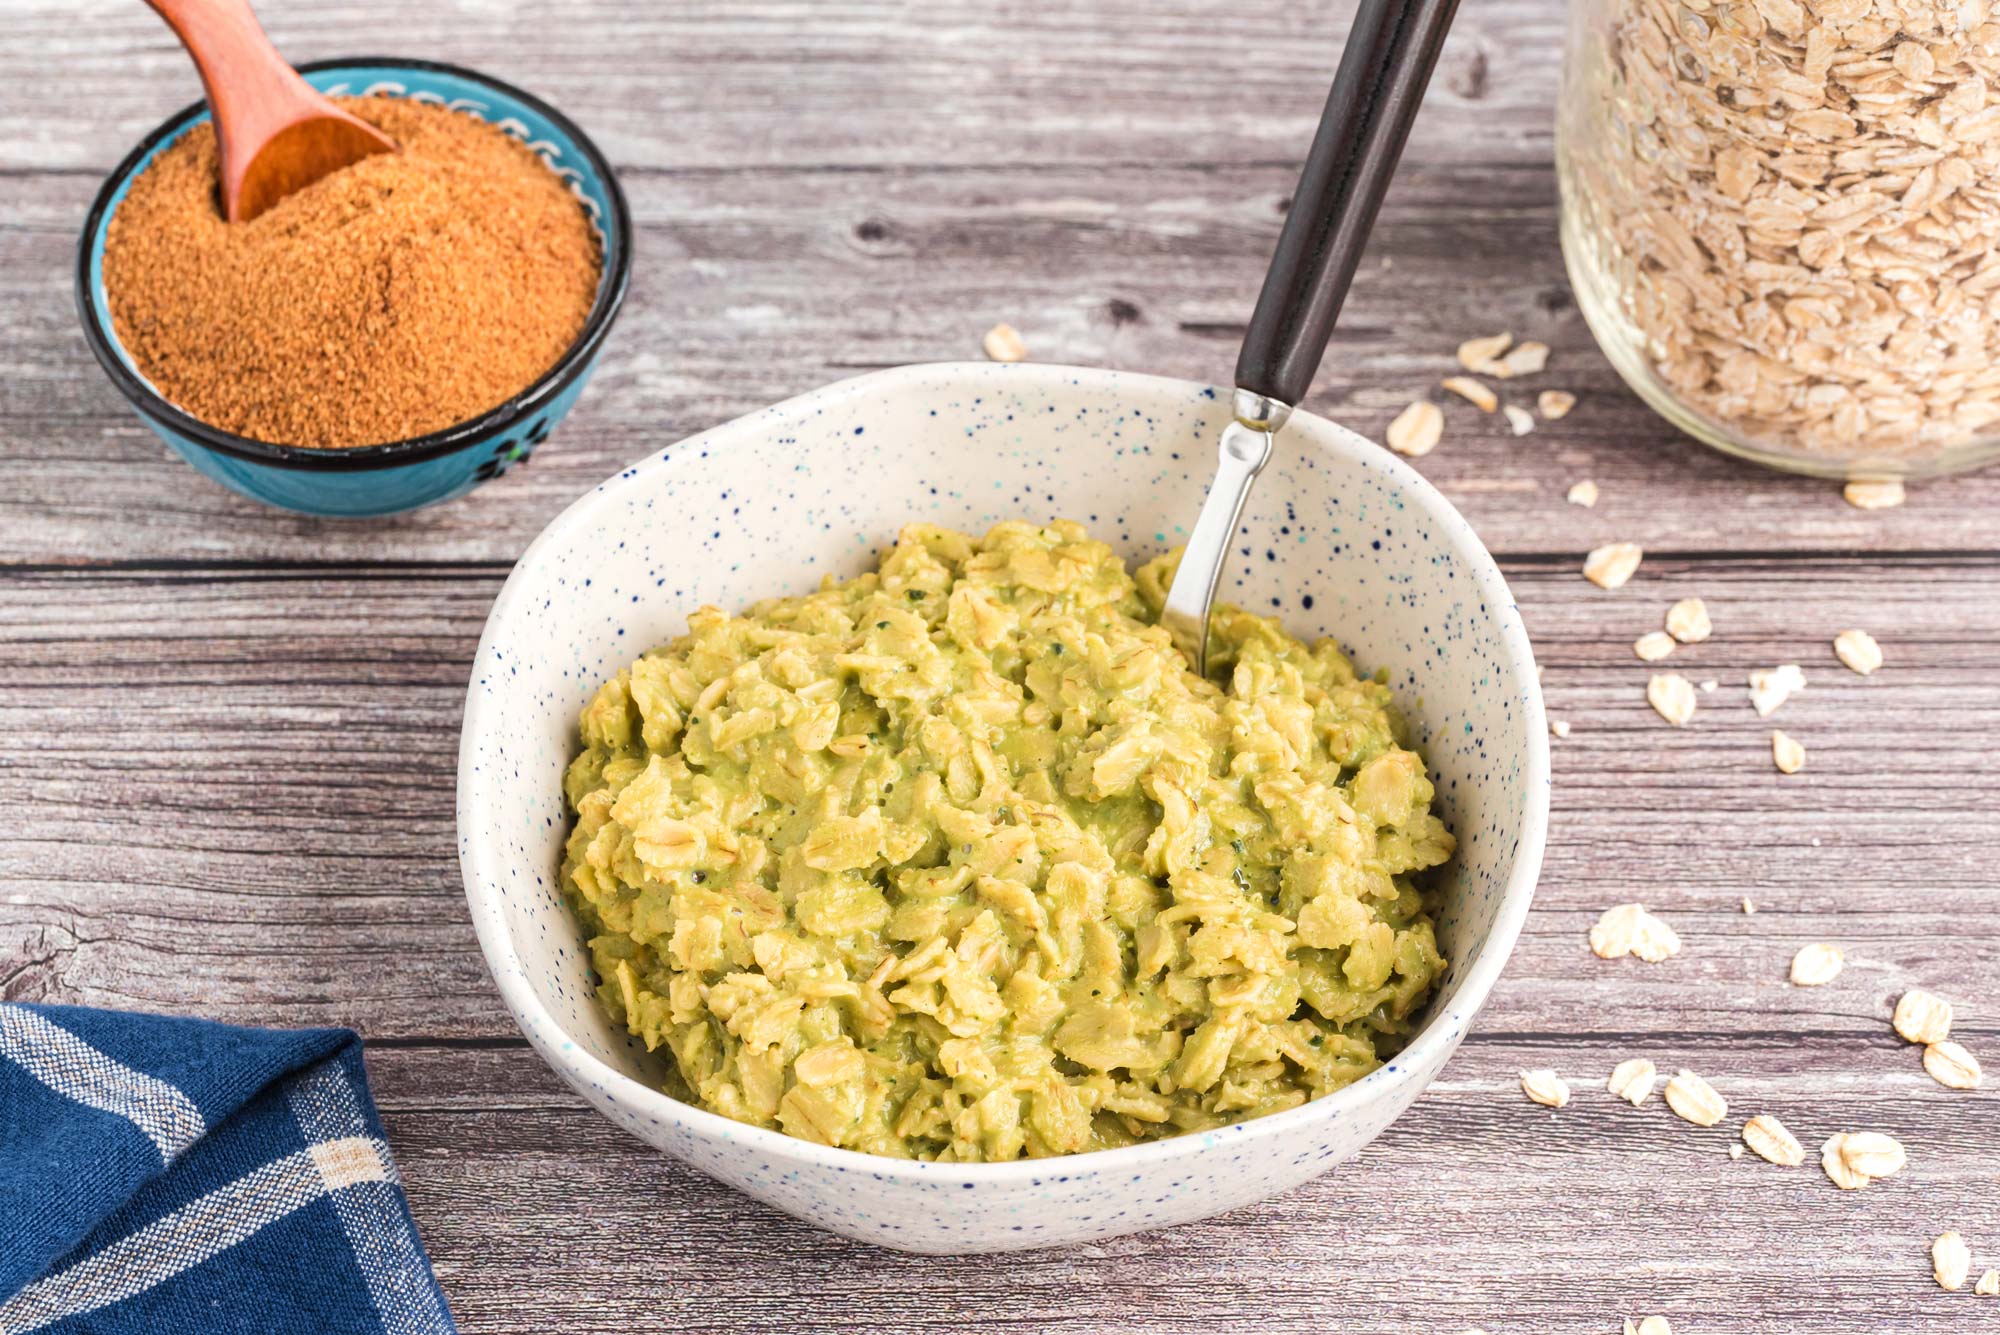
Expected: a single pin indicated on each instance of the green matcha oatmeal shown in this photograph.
(958, 860)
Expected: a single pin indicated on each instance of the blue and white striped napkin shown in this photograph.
(164, 1175)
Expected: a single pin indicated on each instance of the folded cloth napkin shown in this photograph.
(174, 1176)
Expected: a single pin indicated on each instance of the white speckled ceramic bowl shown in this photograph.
(1341, 538)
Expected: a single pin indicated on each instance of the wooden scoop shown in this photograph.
(278, 133)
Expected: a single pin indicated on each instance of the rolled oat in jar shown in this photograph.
(1780, 219)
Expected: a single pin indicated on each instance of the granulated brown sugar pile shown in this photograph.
(398, 296)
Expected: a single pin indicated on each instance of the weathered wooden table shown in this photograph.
(227, 735)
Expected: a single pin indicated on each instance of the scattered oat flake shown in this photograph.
(1873, 495)
(1559, 726)
(1629, 930)
(1869, 1154)
(1710, 687)
(1672, 697)
(1653, 645)
(1524, 358)
(1749, 906)
(1735, 1150)
(1519, 420)
(1834, 1162)
(1482, 354)
(1554, 404)
(1988, 1285)
(1632, 1080)
(1923, 1017)
(1952, 1066)
(1951, 1260)
(1003, 344)
(1857, 649)
(1694, 1100)
(1609, 566)
(1652, 1325)
(1583, 493)
(1817, 965)
(1771, 687)
(1788, 753)
(1768, 1137)
(1687, 621)
(1472, 391)
(1545, 1087)
(1417, 429)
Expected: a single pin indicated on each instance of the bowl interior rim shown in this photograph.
(616, 236)
(1437, 1033)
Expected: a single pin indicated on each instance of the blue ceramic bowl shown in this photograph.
(404, 474)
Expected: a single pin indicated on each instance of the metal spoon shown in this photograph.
(1391, 50)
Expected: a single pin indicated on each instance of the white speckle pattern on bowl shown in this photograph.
(1340, 538)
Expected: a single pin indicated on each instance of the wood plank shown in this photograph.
(757, 286)
(241, 801)
(1476, 1208)
(715, 86)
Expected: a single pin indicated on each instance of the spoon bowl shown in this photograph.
(278, 133)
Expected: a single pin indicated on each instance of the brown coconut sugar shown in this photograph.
(399, 296)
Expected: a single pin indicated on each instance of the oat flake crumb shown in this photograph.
(1694, 1100)
(1817, 965)
(1560, 727)
(1873, 495)
(1472, 391)
(1417, 429)
(1652, 1325)
(1771, 687)
(1629, 930)
(1857, 649)
(1951, 1261)
(1609, 566)
(1735, 1150)
(1482, 354)
(1554, 404)
(1952, 1066)
(1788, 753)
(1583, 493)
(1003, 343)
(1672, 697)
(1923, 1017)
(1653, 645)
(1545, 1087)
(1749, 906)
(1835, 1163)
(1710, 687)
(1768, 1137)
(1632, 1080)
(1853, 1159)
(1526, 358)
(1519, 420)
(1988, 1285)
(1687, 621)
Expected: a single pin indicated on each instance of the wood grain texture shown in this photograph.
(1477, 1208)
(1114, 223)
(227, 736)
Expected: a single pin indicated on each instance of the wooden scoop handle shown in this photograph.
(277, 132)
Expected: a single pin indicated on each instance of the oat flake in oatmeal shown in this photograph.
(1787, 213)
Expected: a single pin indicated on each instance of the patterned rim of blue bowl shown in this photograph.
(151, 403)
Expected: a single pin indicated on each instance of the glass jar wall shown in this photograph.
(1780, 218)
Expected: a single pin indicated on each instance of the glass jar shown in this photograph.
(1782, 222)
